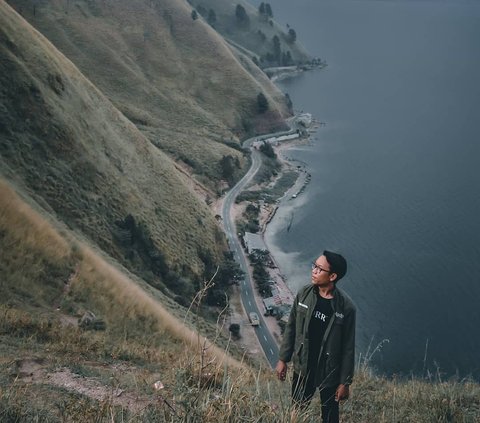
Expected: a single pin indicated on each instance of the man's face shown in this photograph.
(321, 275)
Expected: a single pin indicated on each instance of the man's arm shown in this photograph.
(348, 349)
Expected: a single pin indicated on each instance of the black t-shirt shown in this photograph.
(316, 329)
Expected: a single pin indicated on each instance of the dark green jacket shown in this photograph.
(336, 361)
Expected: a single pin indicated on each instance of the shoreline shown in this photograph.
(267, 215)
(281, 72)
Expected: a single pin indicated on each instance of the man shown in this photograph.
(320, 339)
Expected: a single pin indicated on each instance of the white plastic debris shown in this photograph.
(158, 385)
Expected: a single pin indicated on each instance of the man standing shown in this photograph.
(320, 339)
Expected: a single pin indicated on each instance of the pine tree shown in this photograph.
(262, 103)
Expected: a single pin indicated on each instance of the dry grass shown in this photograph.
(22, 225)
(144, 344)
(114, 293)
(32, 247)
(68, 146)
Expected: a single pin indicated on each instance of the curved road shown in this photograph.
(264, 336)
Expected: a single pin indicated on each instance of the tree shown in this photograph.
(292, 35)
(262, 103)
(268, 10)
(212, 17)
(261, 9)
(194, 15)
(262, 36)
(277, 51)
(235, 329)
(228, 169)
(241, 15)
(267, 149)
(287, 59)
(289, 102)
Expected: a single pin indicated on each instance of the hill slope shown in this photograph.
(65, 144)
(172, 76)
(255, 32)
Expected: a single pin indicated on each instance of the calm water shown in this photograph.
(395, 184)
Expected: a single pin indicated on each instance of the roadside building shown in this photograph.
(270, 306)
(279, 303)
(254, 242)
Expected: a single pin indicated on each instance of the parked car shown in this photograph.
(254, 320)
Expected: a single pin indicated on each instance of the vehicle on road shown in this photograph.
(254, 320)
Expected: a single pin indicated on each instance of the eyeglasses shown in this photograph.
(315, 266)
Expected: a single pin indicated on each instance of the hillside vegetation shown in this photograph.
(255, 30)
(145, 364)
(172, 76)
(64, 144)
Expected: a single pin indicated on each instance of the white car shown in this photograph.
(254, 320)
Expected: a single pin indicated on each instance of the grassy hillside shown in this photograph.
(174, 77)
(64, 144)
(147, 364)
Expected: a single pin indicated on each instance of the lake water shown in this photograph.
(395, 185)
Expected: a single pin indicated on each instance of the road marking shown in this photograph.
(244, 283)
(264, 337)
(246, 292)
(271, 352)
(249, 303)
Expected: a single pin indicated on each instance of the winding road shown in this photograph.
(264, 336)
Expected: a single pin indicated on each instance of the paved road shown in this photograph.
(264, 336)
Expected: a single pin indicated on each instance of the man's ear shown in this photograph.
(333, 277)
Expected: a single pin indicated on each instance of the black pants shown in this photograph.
(303, 389)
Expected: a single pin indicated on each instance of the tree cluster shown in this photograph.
(277, 56)
(242, 16)
(227, 273)
(265, 10)
(140, 249)
(209, 15)
(260, 274)
(228, 164)
(292, 36)
(267, 149)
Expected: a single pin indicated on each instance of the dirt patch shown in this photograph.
(93, 389)
(30, 370)
(34, 370)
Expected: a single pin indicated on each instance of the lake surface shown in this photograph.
(395, 181)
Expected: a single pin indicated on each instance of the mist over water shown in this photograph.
(395, 184)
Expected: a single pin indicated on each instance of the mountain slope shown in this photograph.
(172, 76)
(255, 33)
(65, 144)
